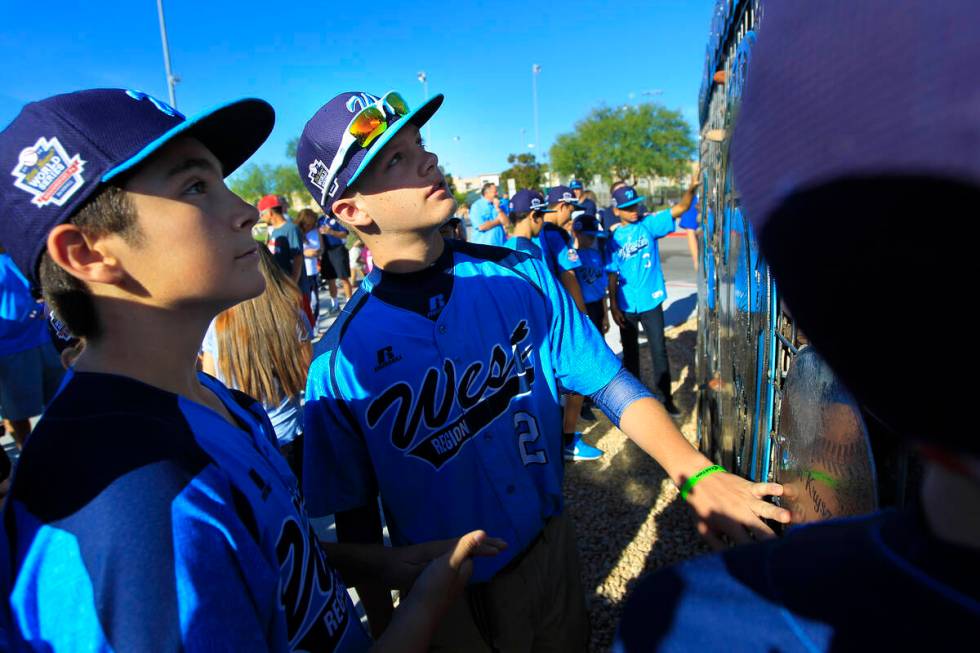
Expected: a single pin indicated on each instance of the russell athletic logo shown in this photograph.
(484, 390)
(386, 357)
(47, 172)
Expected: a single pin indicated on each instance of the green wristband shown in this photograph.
(691, 482)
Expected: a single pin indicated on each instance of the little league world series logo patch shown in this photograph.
(47, 172)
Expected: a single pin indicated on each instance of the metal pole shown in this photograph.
(535, 69)
(422, 77)
(171, 80)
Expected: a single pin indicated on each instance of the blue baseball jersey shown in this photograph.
(22, 323)
(878, 582)
(439, 390)
(591, 274)
(522, 244)
(689, 218)
(635, 256)
(556, 248)
(139, 520)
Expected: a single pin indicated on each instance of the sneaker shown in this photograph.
(672, 409)
(579, 449)
(587, 414)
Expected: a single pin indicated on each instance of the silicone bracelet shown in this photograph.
(691, 482)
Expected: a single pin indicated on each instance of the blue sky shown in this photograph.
(297, 55)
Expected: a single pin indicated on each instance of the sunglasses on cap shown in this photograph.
(366, 125)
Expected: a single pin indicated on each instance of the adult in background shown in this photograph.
(488, 218)
(30, 370)
(334, 262)
(306, 220)
(285, 240)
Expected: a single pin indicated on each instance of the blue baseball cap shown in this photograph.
(525, 201)
(588, 207)
(62, 149)
(588, 225)
(626, 196)
(562, 194)
(575, 184)
(322, 136)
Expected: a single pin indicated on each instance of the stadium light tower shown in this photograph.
(535, 71)
(171, 78)
(424, 81)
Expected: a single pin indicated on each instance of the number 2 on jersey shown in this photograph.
(526, 426)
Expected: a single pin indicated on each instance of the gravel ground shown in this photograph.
(629, 517)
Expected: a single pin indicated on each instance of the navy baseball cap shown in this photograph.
(63, 149)
(322, 136)
(588, 225)
(589, 207)
(626, 196)
(525, 201)
(562, 194)
(840, 152)
(575, 184)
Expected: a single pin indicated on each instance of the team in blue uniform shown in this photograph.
(439, 390)
(151, 508)
(528, 209)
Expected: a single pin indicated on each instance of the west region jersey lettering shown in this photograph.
(465, 431)
(184, 531)
(635, 256)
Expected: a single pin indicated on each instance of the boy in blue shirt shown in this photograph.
(592, 274)
(636, 282)
(151, 509)
(527, 217)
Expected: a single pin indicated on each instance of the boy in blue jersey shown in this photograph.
(636, 282)
(907, 578)
(528, 209)
(591, 274)
(151, 509)
(439, 391)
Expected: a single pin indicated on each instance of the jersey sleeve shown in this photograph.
(295, 240)
(580, 357)
(659, 224)
(565, 258)
(142, 568)
(480, 212)
(337, 471)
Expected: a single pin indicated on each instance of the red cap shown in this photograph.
(269, 202)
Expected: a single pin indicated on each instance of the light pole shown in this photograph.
(535, 71)
(424, 80)
(171, 78)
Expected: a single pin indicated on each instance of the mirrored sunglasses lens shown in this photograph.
(397, 104)
(366, 124)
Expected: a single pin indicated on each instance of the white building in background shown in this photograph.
(466, 184)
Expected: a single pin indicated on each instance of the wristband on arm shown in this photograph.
(691, 482)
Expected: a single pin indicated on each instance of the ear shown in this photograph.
(349, 210)
(83, 257)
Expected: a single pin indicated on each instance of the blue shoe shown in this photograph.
(579, 449)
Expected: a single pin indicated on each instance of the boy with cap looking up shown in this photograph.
(151, 509)
(439, 391)
(636, 282)
(592, 275)
(911, 576)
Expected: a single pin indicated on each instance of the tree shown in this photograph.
(524, 170)
(254, 181)
(643, 141)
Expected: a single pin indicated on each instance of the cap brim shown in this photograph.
(631, 202)
(232, 131)
(417, 117)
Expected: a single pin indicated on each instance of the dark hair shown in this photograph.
(108, 211)
(517, 216)
(305, 217)
(483, 191)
